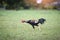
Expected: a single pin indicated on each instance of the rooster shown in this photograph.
(34, 22)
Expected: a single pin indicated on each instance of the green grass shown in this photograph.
(11, 27)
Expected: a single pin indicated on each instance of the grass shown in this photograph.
(11, 27)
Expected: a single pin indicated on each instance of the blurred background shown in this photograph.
(29, 4)
(12, 12)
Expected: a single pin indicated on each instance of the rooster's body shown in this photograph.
(34, 23)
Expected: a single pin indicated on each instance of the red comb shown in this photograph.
(23, 21)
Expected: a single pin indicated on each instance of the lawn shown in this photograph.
(11, 27)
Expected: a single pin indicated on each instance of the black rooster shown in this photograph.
(34, 23)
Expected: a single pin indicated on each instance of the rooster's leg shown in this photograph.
(39, 28)
(33, 26)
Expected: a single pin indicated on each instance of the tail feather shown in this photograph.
(41, 21)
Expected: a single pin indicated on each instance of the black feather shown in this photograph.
(41, 21)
